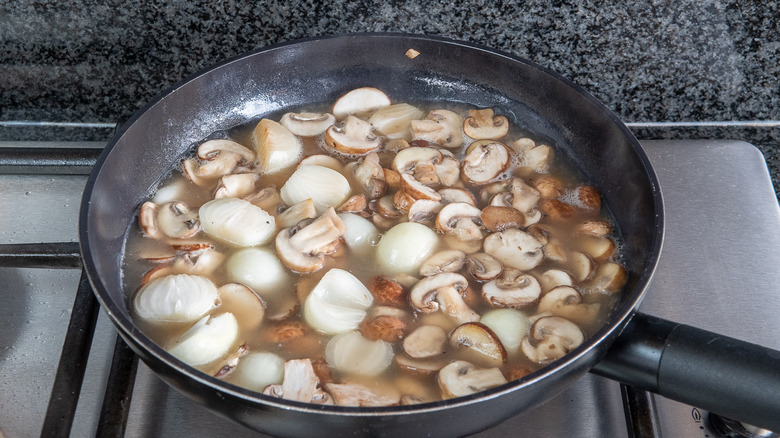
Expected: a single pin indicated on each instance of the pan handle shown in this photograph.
(726, 376)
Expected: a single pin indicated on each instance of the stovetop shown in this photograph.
(719, 270)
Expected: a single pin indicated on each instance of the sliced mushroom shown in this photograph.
(277, 148)
(484, 163)
(580, 265)
(467, 246)
(453, 194)
(610, 277)
(360, 101)
(418, 162)
(303, 250)
(550, 338)
(515, 248)
(383, 327)
(452, 303)
(548, 186)
(394, 121)
(423, 294)
(483, 124)
(387, 292)
(442, 127)
(460, 219)
(353, 138)
(595, 228)
(245, 305)
(566, 301)
(424, 210)
(425, 342)
(369, 175)
(589, 197)
(307, 124)
(300, 383)
(217, 158)
(448, 170)
(354, 204)
(173, 219)
(443, 261)
(416, 190)
(514, 289)
(461, 378)
(501, 218)
(353, 394)
(556, 209)
(236, 221)
(524, 197)
(484, 267)
(267, 198)
(477, 338)
(236, 185)
(296, 213)
(553, 278)
(423, 367)
(539, 158)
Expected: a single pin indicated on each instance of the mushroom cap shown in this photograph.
(482, 124)
(307, 124)
(416, 190)
(501, 218)
(514, 289)
(407, 160)
(483, 266)
(424, 210)
(550, 338)
(515, 248)
(353, 138)
(485, 162)
(462, 378)
(461, 219)
(425, 342)
(423, 294)
(455, 194)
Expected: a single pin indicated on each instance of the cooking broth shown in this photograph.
(585, 254)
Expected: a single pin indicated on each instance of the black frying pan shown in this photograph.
(706, 370)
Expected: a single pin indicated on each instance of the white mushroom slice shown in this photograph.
(360, 234)
(177, 298)
(369, 175)
(337, 303)
(448, 171)
(550, 338)
(501, 218)
(173, 219)
(460, 219)
(277, 148)
(483, 267)
(268, 199)
(539, 158)
(245, 305)
(394, 121)
(296, 213)
(442, 127)
(260, 269)
(510, 325)
(416, 190)
(386, 208)
(450, 260)
(299, 383)
(483, 124)
(548, 187)
(423, 294)
(322, 160)
(600, 248)
(236, 221)
(514, 289)
(580, 265)
(405, 247)
(610, 277)
(326, 187)
(425, 342)
(477, 338)
(418, 162)
(352, 394)
(451, 303)
(461, 378)
(360, 101)
(468, 246)
(206, 341)
(303, 250)
(236, 185)
(452, 194)
(566, 301)
(257, 370)
(355, 204)
(218, 157)
(350, 352)
(515, 248)
(484, 163)
(307, 124)
(521, 145)
(353, 138)
(553, 278)
(524, 197)
(424, 210)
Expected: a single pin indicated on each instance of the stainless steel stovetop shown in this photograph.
(719, 270)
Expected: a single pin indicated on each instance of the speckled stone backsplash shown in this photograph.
(657, 64)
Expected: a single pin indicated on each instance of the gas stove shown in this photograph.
(718, 271)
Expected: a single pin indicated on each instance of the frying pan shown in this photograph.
(712, 372)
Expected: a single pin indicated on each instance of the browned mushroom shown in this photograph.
(478, 338)
(483, 124)
(501, 218)
(462, 378)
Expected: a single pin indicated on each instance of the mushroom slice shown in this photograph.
(594, 228)
(610, 277)
(451, 302)
(369, 175)
(353, 138)
(337, 303)
(277, 148)
(422, 367)
(548, 186)
(566, 301)
(245, 305)
(360, 101)
(173, 219)
(237, 221)
(501, 218)
(450, 260)
(556, 209)
(425, 342)
(176, 298)
(236, 185)
(448, 171)
(423, 294)
(326, 187)
(478, 338)
(386, 208)
(218, 158)
(307, 124)
(352, 394)
(442, 127)
(453, 194)
(484, 267)
(460, 219)
(588, 197)
(424, 210)
(524, 197)
(299, 383)
(267, 198)
(303, 249)
(350, 352)
(418, 162)
(296, 213)
(354, 204)
(462, 378)
(580, 265)
(387, 292)
(206, 341)
(515, 249)
(554, 278)
(394, 121)
(539, 158)
(514, 289)
(550, 338)
(386, 328)
(416, 190)
(231, 362)
(484, 163)
(483, 124)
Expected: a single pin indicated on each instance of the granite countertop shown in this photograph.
(684, 69)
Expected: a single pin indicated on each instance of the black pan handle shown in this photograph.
(726, 376)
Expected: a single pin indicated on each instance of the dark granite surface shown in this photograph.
(649, 61)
